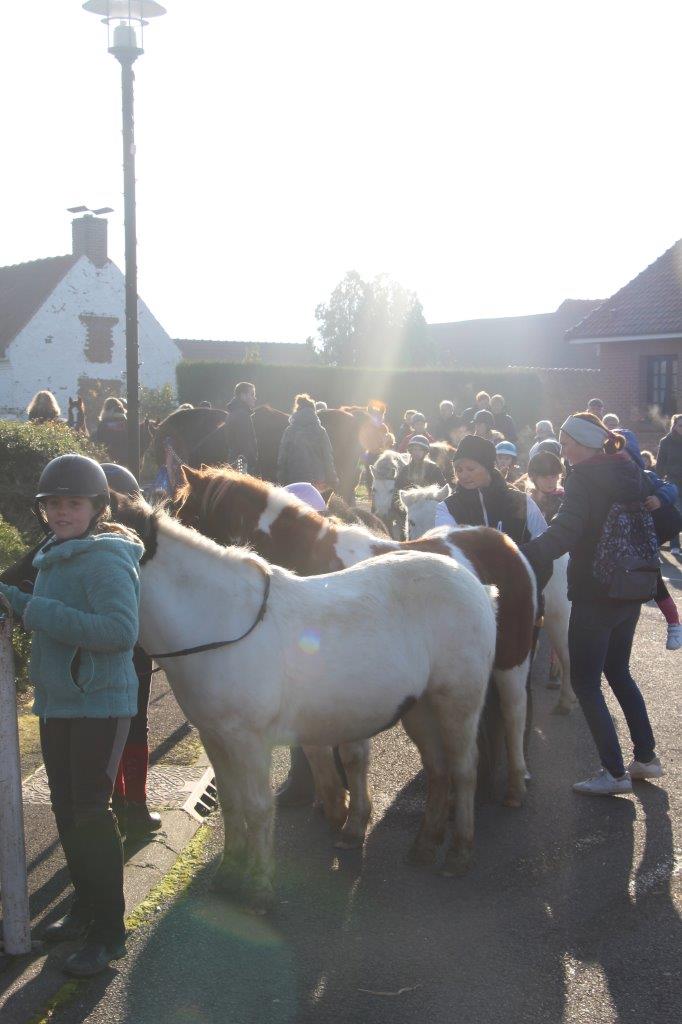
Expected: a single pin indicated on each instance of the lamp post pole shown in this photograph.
(127, 14)
(126, 57)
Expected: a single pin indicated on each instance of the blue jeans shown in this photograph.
(600, 640)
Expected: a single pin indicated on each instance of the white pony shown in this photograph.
(383, 474)
(319, 661)
(420, 504)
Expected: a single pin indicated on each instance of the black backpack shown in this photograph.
(626, 559)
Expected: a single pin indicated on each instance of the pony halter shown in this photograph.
(217, 644)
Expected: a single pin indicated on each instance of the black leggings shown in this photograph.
(81, 758)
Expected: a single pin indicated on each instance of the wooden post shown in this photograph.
(16, 921)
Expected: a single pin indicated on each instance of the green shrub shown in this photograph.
(157, 403)
(12, 547)
(342, 385)
(25, 450)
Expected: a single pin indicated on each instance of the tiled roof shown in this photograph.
(282, 353)
(23, 289)
(535, 340)
(650, 304)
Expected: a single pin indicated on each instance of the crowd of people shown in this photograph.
(586, 490)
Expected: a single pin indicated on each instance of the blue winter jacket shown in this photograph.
(665, 491)
(83, 614)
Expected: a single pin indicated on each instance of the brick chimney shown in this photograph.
(89, 236)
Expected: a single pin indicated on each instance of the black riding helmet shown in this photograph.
(74, 476)
(121, 479)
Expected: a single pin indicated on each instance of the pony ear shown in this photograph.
(189, 475)
(443, 493)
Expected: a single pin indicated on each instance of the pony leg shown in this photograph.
(328, 788)
(232, 869)
(253, 758)
(460, 740)
(557, 615)
(511, 687)
(421, 725)
(557, 630)
(355, 758)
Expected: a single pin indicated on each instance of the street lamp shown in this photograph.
(125, 16)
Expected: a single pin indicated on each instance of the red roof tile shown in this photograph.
(648, 305)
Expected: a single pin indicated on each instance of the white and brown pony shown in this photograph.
(420, 504)
(233, 508)
(295, 670)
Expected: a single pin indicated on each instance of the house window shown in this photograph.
(99, 341)
(662, 383)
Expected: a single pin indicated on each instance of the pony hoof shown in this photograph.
(457, 863)
(260, 899)
(561, 709)
(226, 884)
(420, 856)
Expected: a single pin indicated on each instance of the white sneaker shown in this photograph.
(674, 641)
(645, 770)
(604, 784)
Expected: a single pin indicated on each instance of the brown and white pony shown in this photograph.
(233, 508)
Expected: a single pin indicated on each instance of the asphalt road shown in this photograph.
(569, 914)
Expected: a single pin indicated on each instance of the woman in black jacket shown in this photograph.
(602, 629)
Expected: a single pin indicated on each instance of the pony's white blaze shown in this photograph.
(382, 495)
(302, 675)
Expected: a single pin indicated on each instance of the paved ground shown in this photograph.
(571, 912)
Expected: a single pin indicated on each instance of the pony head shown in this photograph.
(420, 505)
(384, 473)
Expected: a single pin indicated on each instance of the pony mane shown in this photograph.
(418, 494)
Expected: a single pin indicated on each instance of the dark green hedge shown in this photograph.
(400, 389)
(25, 450)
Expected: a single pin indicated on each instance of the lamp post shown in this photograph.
(126, 16)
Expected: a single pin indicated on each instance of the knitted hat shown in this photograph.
(550, 444)
(419, 441)
(506, 448)
(484, 416)
(478, 450)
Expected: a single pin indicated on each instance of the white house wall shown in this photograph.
(50, 351)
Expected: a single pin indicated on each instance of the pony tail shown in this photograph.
(613, 443)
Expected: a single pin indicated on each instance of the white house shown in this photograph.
(62, 327)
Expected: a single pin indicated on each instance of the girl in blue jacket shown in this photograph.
(83, 614)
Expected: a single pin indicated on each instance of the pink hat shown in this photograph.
(309, 494)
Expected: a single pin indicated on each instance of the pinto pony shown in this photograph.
(278, 671)
(420, 504)
(234, 508)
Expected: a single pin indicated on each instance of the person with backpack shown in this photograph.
(83, 614)
(603, 525)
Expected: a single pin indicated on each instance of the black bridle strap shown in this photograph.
(222, 643)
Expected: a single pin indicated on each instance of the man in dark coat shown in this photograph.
(503, 421)
(241, 435)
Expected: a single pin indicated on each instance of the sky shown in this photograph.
(494, 157)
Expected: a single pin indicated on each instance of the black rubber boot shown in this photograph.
(140, 821)
(298, 788)
(74, 925)
(93, 958)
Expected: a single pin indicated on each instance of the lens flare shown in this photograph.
(309, 641)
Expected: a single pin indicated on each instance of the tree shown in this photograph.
(373, 323)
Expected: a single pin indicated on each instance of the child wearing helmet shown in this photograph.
(83, 616)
